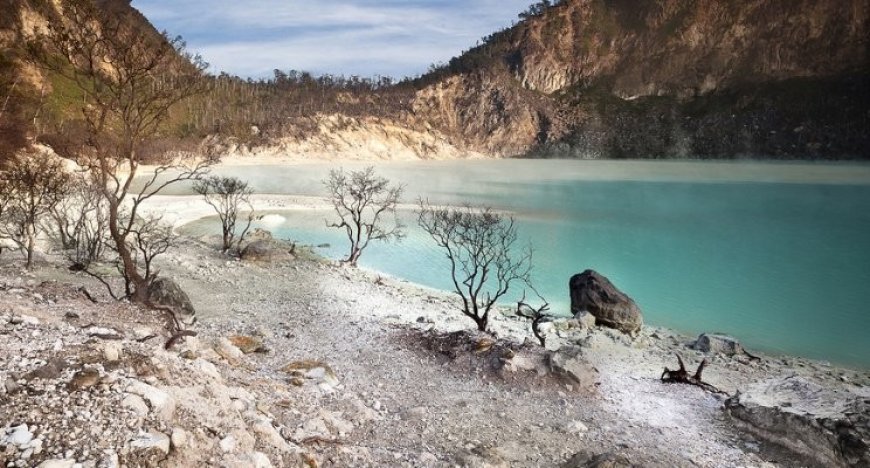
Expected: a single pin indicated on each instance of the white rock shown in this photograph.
(136, 404)
(575, 427)
(151, 440)
(57, 464)
(112, 351)
(207, 368)
(228, 444)
(161, 402)
(29, 320)
(260, 460)
(142, 332)
(19, 435)
(178, 438)
(268, 435)
(228, 350)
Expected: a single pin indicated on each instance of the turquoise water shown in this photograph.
(777, 255)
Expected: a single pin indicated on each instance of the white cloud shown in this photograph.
(365, 37)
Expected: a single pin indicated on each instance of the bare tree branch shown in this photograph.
(485, 259)
(361, 200)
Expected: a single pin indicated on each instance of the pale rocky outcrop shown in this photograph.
(815, 423)
(718, 344)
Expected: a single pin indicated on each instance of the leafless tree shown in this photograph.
(362, 201)
(129, 78)
(485, 260)
(34, 185)
(537, 314)
(80, 222)
(228, 195)
(5, 202)
(151, 237)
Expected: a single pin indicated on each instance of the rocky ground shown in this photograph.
(306, 363)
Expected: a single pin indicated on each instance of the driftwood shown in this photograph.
(682, 376)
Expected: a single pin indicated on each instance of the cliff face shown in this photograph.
(686, 48)
(581, 78)
(665, 78)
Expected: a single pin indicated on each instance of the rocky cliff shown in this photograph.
(664, 78)
(574, 78)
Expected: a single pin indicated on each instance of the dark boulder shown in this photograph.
(593, 293)
(167, 293)
(830, 427)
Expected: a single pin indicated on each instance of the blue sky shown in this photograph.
(363, 37)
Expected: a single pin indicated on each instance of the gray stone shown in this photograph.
(813, 422)
(150, 448)
(718, 344)
(567, 362)
(167, 293)
(161, 402)
(267, 251)
(593, 293)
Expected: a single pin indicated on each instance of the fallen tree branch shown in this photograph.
(682, 376)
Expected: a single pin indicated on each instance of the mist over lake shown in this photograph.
(775, 254)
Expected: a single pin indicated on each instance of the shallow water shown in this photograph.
(775, 254)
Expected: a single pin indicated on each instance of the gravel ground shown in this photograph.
(394, 402)
(432, 412)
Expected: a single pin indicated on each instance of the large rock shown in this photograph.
(267, 251)
(166, 292)
(718, 344)
(160, 401)
(595, 294)
(568, 363)
(815, 423)
(148, 449)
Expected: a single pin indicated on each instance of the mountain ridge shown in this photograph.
(573, 79)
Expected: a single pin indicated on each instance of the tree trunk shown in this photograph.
(481, 323)
(30, 247)
(139, 293)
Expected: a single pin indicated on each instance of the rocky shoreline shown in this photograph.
(306, 363)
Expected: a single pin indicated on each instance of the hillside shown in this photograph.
(660, 78)
(575, 78)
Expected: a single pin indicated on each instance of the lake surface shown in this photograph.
(777, 255)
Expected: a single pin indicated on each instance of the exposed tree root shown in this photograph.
(176, 337)
(682, 376)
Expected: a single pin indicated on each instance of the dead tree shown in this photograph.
(362, 200)
(485, 259)
(80, 223)
(129, 78)
(682, 376)
(537, 315)
(227, 195)
(33, 186)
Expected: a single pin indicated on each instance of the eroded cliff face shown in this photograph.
(666, 78)
(685, 48)
(486, 112)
